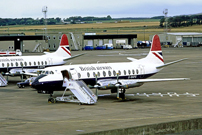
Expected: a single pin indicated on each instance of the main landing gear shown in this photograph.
(121, 94)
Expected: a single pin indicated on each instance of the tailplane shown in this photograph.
(63, 50)
(155, 55)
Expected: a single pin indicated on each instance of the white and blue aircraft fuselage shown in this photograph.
(108, 75)
(17, 65)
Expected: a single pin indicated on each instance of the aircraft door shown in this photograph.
(74, 74)
(141, 71)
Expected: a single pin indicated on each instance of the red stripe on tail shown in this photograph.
(158, 56)
(66, 51)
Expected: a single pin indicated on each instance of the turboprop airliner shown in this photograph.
(17, 65)
(114, 76)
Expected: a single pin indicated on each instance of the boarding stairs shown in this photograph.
(81, 93)
(3, 81)
(38, 48)
(74, 41)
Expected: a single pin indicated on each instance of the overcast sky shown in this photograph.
(97, 8)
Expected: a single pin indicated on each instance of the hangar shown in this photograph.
(16, 41)
(182, 38)
(116, 39)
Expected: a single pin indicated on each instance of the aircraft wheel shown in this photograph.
(51, 100)
(19, 86)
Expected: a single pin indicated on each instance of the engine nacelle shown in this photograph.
(111, 84)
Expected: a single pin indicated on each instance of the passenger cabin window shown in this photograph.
(137, 71)
(12, 64)
(98, 74)
(16, 64)
(129, 72)
(124, 72)
(21, 64)
(42, 63)
(104, 73)
(119, 72)
(7, 64)
(45, 62)
(25, 63)
(114, 73)
(133, 71)
(34, 63)
(88, 74)
(94, 74)
(2, 64)
(30, 63)
(109, 73)
(79, 75)
(38, 63)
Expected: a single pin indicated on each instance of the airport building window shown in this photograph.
(129, 72)
(104, 73)
(53, 37)
(119, 72)
(79, 75)
(114, 72)
(48, 37)
(133, 71)
(54, 45)
(109, 72)
(59, 37)
(88, 74)
(16, 64)
(124, 72)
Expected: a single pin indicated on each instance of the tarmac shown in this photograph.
(24, 111)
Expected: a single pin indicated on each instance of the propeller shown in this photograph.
(22, 72)
(117, 85)
(96, 86)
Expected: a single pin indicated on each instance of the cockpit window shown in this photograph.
(51, 72)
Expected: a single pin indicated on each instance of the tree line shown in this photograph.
(183, 20)
(50, 21)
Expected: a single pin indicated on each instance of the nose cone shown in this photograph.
(36, 84)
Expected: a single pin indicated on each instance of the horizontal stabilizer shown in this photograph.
(161, 80)
(170, 63)
(72, 57)
(131, 59)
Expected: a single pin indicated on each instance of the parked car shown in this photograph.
(27, 82)
(127, 47)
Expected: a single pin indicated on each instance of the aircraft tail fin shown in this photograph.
(155, 55)
(63, 50)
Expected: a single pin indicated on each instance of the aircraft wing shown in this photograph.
(72, 57)
(161, 80)
(170, 63)
(24, 71)
(130, 83)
